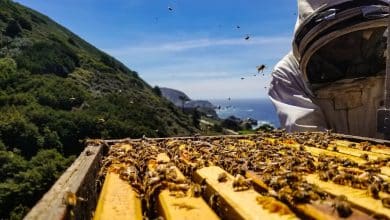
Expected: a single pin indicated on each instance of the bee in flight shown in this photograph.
(261, 68)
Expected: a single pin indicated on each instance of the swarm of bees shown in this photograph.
(280, 167)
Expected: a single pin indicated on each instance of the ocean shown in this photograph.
(261, 110)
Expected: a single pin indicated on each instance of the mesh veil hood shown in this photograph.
(322, 21)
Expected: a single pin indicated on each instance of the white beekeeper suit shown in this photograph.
(334, 77)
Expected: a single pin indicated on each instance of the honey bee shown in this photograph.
(364, 156)
(301, 196)
(323, 175)
(261, 68)
(184, 206)
(372, 169)
(129, 174)
(88, 152)
(374, 189)
(322, 194)
(177, 194)
(273, 205)
(386, 187)
(70, 199)
(222, 177)
(283, 194)
(196, 190)
(178, 187)
(342, 206)
(342, 179)
(386, 202)
(240, 183)
(365, 146)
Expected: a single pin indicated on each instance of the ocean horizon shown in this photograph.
(260, 109)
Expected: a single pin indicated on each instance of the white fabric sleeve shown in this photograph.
(291, 98)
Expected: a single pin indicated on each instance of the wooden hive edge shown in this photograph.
(84, 170)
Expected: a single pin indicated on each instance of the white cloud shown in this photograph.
(250, 87)
(207, 68)
(176, 46)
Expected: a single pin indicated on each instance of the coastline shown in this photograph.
(260, 109)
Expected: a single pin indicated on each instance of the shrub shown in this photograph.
(24, 23)
(13, 29)
(46, 58)
(60, 94)
(10, 164)
(7, 68)
(16, 131)
(31, 182)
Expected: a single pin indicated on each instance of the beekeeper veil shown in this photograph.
(340, 39)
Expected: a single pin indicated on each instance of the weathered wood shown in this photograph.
(80, 179)
(236, 204)
(189, 207)
(118, 200)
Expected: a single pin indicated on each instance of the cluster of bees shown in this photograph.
(344, 171)
(367, 178)
(280, 167)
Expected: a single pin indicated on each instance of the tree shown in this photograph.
(196, 116)
(157, 91)
(183, 100)
(266, 127)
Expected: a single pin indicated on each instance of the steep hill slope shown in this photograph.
(57, 90)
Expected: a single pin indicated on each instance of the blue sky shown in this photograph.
(196, 47)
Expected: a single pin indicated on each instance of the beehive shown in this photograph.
(267, 176)
(263, 176)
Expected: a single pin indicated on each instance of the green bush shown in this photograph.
(24, 23)
(16, 131)
(46, 58)
(19, 212)
(13, 29)
(51, 140)
(7, 69)
(11, 164)
(30, 182)
(60, 94)
(16, 99)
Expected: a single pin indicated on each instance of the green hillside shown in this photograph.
(57, 90)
